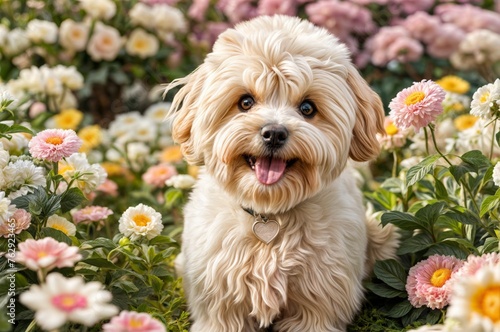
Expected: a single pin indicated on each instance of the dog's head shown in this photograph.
(275, 111)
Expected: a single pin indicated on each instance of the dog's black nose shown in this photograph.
(274, 135)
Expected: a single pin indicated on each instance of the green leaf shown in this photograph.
(488, 204)
(156, 283)
(413, 315)
(476, 159)
(71, 199)
(56, 234)
(417, 172)
(15, 128)
(459, 170)
(433, 317)
(448, 249)
(400, 309)
(161, 239)
(441, 191)
(100, 242)
(392, 273)
(430, 213)
(385, 198)
(172, 196)
(403, 220)
(383, 290)
(465, 217)
(414, 244)
(100, 262)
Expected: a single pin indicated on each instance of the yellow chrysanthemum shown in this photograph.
(112, 169)
(171, 154)
(68, 119)
(454, 84)
(91, 137)
(61, 224)
(464, 121)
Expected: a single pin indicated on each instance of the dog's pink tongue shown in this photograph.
(269, 170)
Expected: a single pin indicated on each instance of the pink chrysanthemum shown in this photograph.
(19, 221)
(427, 282)
(473, 264)
(54, 144)
(91, 214)
(417, 105)
(158, 174)
(129, 321)
(46, 254)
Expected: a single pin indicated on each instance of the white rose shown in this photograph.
(105, 43)
(142, 44)
(15, 42)
(99, 9)
(40, 31)
(142, 15)
(73, 35)
(169, 19)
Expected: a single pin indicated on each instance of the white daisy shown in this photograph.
(24, 173)
(61, 224)
(60, 300)
(475, 302)
(87, 176)
(140, 221)
(484, 100)
(6, 209)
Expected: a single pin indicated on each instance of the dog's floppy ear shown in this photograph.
(369, 119)
(183, 111)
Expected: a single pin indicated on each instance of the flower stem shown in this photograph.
(433, 136)
(394, 163)
(493, 139)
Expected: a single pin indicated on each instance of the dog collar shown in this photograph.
(263, 228)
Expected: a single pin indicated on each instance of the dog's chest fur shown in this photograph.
(232, 271)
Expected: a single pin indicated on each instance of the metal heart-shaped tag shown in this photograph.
(266, 231)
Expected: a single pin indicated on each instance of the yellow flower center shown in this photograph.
(135, 323)
(391, 129)
(414, 98)
(440, 277)
(464, 121)
(65, 168)
(454, 84)
(141, 219)
(60, 227)
(140, 44)
(41, 254)
(55, 140)
(487, 302)
(484, 97)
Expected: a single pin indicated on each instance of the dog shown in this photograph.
(275, 235)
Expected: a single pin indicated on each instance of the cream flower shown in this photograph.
(6, 209)
(24, 173)
(15, 42)
(73, 35)
(143, 15)
(168, 19)
(142, 44)
(88, 176)
(140, 221)
(181, 181)
(105, 43)
(61, 224)
(485, 99)
(70, 77)
(99, 9)
(62, 300)
(475, 302)
(40, 31)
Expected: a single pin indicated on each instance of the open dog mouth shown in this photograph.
(268, 169)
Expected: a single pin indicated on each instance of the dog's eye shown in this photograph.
(307, 109)
(246, 102)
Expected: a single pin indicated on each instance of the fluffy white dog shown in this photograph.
(275, 233)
